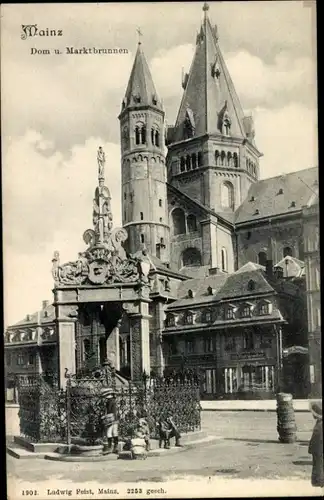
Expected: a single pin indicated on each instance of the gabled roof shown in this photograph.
(236, 285)
(45, 315)
(140, 85)
(291, 266)
(209, 91)
(225, 287)
(282, 194)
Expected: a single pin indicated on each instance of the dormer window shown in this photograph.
(230, 312)
(251, 285)
(210, 290)
(154, 99)
(191, 294)
(207, 316)
(137, 98)
(257, 212)
(280, 191)
(246, 311)
(189, 318)
(292, 204)
(171, 320)
(252, 198)
(265, 307)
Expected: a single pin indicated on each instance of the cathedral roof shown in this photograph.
(209, 92)
(140, 89)
(283, 194)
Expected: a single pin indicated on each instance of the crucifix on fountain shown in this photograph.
(92, 294)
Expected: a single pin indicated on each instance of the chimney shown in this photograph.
(269, 268)
(45, 304)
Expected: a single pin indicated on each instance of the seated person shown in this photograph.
(167, 430)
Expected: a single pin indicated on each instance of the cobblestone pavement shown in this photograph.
(247, 447)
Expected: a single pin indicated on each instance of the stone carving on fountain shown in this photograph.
(105, 260)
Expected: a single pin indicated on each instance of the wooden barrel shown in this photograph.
(286, 424)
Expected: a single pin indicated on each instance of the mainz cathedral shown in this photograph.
(234, 260)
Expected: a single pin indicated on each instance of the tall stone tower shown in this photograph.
(212, 155)
(144, 202)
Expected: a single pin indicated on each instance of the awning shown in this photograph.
(295, 349)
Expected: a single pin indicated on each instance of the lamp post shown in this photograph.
(278, 331)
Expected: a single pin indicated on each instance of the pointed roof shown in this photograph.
(140, 89)
(209, 91)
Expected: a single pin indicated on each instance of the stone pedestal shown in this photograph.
(140, 342)
(112, 345)
(66, 349)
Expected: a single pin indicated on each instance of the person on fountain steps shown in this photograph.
(110, 422)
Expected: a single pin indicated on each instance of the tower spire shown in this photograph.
(140, 34)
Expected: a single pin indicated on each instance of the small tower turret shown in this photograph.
(144, 202)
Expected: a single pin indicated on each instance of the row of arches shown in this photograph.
(182, 224)
(190, 162)
(251, 167)
(141, 135)
(223, 159)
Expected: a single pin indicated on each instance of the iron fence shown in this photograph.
(74, 415)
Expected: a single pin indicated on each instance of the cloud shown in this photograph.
(272, 85)
(288, 139)
(166, 67)
(45, 191)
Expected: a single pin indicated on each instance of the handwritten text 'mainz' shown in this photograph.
(31, 30)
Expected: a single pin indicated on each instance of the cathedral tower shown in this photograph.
(212, 156)
(144, 202)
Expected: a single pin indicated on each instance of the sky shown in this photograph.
(57, 109)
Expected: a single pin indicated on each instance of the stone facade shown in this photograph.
(313, 282)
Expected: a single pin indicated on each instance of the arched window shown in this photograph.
(287, 252)
(224, 259)
(262, 258)
(217, 155)
(155, 137)
(125, 138)
(200, 159)
(188, 162)
(182, 164)
(227, 195)
(143, 130)
(235, 160)
(142, 215)
(191, 257)
(178, 219)
(223, 157)
(229, 159)
(137, 135)
(194, 160)
(160, 202)
(140, 133)
(191, 223)
(142, 238)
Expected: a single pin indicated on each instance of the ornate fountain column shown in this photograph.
(140, 341)
(66, 317)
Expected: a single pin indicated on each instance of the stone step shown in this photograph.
(20, 452)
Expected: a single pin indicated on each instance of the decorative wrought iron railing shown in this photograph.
(74, 415)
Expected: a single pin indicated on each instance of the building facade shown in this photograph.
(231, 255)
